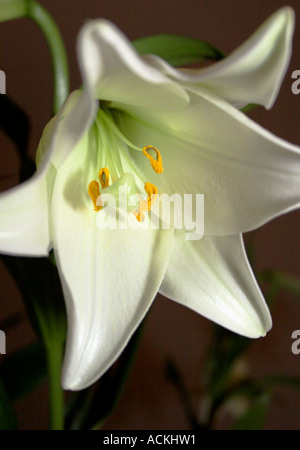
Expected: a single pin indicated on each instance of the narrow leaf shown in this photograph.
(255, 417)
(279, 380)
(15, 124)
(8, 419)
(248, 107)
(23, 370)
(282, 280)
(226, 347)
(39, 284)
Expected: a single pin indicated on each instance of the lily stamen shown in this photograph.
(155, 163)
(94, 187)
(146, 205)
(104, 177)
(94, 193)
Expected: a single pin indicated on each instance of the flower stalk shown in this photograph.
(56, 395)
(15, 9)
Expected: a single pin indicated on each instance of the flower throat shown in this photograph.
(104, 177)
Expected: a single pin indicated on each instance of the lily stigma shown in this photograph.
(189, 122)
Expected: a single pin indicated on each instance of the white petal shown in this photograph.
(115, 71)
(109, 277)
(24, 226)
(247, 175)
(111, 70)
(253, 73)
(212, 276)
(74, 120)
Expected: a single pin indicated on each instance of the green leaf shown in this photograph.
(248, 108)
(255, 417)
(8, 419)
(226, 347)
(282, 280)
(15, 124)
(253, 389)
(40, 287)
(23, 370)
(176, 378)
(277, 380)
(39, 283)
(177, 50)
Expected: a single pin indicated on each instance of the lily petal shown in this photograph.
(247, 175)
(215, 280)
(113, 69)
(109, 277)
(24, 226)
(110, 280)
(73, 121)
(253, 73)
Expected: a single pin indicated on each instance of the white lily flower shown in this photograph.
(248, 176)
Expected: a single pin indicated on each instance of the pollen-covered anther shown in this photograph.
(104, 177)
(145, 205)
(94, 188)
(156, 162)
(94, 193)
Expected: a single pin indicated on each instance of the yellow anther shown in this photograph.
(146, 205)
(94, 193)
(155, 163)
(151, 190)
(104, 177)
(94, 189)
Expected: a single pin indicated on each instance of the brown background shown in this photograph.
(149, 400)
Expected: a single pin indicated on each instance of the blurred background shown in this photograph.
(150, 400)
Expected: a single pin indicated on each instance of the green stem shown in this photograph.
(15, 9)
(57, 51)
(12, 9)
(56, 394)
